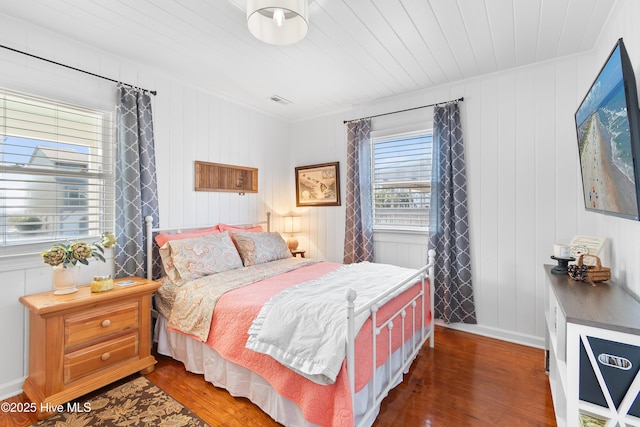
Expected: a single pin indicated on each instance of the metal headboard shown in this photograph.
(150, 231)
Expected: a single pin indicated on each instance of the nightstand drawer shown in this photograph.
(85, 340)
(99, 323)
(100, 356)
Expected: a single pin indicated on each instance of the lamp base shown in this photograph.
(292, 243)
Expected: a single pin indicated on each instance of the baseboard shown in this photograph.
(501, 334)
(11, 389)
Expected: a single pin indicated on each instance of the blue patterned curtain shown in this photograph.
(136, 186)
(358, 238)
(448, 219)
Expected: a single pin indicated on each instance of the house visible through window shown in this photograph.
(56, 170)
(401, 181)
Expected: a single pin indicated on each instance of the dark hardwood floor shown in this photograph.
(466, 380)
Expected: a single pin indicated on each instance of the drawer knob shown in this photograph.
(106, 323)
(105, 356)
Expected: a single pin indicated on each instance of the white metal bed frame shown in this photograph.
(423, 330)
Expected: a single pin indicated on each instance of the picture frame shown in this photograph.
(587, 245)
(318, 185)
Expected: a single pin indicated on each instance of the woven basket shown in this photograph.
(595, 273)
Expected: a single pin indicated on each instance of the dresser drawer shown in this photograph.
(82, 341)
(100, 356)
(100, 322)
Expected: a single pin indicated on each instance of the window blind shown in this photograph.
(401, 169)
(56, 170)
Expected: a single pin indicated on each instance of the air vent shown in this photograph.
(279, 100)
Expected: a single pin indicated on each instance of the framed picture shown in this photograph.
(318, 185)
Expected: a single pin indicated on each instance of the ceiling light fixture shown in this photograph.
(279, 22)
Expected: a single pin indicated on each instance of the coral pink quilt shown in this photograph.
(325, 405)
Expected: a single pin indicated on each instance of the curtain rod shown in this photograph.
(152, 92)
(402, 111)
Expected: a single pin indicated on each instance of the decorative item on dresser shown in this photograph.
(82, 341)
(589, 273)
(593, 352)
(65, 279)
(563, 265)
(66, 259)
(101, 283)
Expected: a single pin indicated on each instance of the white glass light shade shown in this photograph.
(278, 17)
(269, 28)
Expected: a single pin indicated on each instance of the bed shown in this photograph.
(311, 343)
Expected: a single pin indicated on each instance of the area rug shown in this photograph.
(137, 402)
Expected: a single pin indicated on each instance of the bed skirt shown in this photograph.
(199, 358)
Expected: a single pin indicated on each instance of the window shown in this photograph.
(401, 169)
(56, 170)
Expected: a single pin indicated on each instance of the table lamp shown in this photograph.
(291, 227)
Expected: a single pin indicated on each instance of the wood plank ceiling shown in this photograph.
(356, 51)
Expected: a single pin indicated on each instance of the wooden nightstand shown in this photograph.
(296, 253)
(83, 341)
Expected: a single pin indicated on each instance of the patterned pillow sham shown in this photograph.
(167, 263)
(234, 229)
(202, 256)
(163, 238)
(258, 248)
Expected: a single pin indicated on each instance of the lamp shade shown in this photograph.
(291, 224)
(278, 22)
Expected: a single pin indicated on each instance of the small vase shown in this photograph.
(65, 279)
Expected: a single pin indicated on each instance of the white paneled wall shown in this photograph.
(314, 142)
(403, 249)
(189, 125)
(509, 127)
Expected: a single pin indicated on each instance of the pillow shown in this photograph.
(204, 255)
(167, 263)
(258, 248)
(233, 228)
(163, 238)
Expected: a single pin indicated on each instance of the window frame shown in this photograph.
(98, 176)
(389, 134)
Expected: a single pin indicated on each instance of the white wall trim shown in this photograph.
(11, 388)
(501, 334)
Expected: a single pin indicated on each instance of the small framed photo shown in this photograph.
(318, 185)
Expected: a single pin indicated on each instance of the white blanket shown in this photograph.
(305, 327)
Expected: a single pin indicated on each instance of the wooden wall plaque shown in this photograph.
(228, 178)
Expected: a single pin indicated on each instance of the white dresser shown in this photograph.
(593, 352)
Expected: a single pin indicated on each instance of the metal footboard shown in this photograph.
(422, 330)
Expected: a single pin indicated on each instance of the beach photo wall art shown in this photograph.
(608, 130)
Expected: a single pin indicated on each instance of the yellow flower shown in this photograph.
(108, 239)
